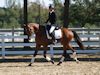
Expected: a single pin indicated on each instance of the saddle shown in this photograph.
(56, 33)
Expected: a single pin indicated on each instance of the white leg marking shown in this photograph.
(51, 51)
(74, 57)
(32, 60)
(62, 59)
(74, 53)
(48, 58)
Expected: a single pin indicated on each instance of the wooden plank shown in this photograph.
(20, 44)
(55, 52)
(14, 37)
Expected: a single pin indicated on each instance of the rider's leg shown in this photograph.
(51, 34)
(51, 29)
(53, 38)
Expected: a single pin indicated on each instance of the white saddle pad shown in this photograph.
(58, 34)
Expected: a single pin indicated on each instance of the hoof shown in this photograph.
(52, 61)
(30, 64)
(59, 63)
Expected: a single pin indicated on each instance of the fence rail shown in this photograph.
(90, 38)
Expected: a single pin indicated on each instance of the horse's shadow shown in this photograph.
(41, 60)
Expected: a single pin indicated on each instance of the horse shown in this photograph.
(42, 40)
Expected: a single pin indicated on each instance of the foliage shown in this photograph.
(82, 13)
(85, 11)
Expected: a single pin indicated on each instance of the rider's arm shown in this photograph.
(54, 15)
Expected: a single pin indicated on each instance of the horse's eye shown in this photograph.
(30, 29)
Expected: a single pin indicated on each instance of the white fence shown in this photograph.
(90, 39)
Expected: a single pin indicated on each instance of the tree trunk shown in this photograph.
(66, 14)
(25, 18)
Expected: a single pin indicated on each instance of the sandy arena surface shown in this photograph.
(88, 65)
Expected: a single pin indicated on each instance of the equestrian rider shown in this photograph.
(52, 20)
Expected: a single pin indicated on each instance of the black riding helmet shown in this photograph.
(51, 6)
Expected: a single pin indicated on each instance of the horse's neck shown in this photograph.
(41, 30)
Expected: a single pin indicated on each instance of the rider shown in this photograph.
(52, 20)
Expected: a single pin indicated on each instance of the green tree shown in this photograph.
(84, 11)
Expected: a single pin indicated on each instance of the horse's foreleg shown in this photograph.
(33, 58)
(35, 53)
(48, 58)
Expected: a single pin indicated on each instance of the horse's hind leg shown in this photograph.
(74, 53)
(35, 53)
(75, 57)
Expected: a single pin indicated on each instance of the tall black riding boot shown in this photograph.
(53, 38)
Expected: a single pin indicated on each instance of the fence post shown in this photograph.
(51, 50)
(3, 48)
(99, 40)
(89, 37)
(13, 36)
(83, 32)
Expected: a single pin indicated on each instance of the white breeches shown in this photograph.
(51, 29)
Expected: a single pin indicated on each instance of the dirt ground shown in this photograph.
(17, 65)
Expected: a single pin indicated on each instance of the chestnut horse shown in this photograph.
(42, 40)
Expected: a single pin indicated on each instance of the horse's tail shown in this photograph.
(78, 40)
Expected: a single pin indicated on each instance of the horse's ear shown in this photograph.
(25, 25)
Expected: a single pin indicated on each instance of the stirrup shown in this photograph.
(55, 41)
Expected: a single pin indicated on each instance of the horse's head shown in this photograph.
(31, 28)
